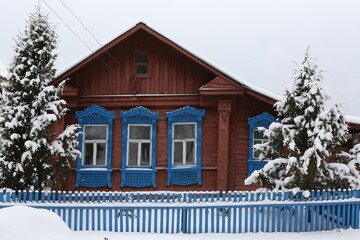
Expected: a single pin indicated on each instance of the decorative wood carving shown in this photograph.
(224, 110)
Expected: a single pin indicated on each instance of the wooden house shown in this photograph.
(156, 117)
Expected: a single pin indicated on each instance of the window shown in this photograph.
(257, 137)
(142, 63)
(139, 147)
(184, 143)
(95, 143)
(184, 146)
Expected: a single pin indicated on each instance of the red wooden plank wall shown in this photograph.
(171, 73)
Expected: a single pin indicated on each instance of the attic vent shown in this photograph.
(142, 64)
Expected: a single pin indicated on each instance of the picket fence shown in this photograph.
(197, 212)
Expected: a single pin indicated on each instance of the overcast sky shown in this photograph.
(256, 40)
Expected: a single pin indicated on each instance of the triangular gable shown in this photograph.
(141, 26)
(70, 90)
(221, 86)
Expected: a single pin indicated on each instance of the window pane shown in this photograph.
(133, 154)
(100, 153)
(141, 69)
(145, 154)
(139, 132)
(190, 152)
(184, 131)
(259, 135)
(88, 154)
(257, 142)
(178, 153)
(95, 132)
(141, 58)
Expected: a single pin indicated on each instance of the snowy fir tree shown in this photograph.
(305, 142)
(31, 156)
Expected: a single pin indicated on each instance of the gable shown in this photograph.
(220, 86)
(178, 76)
(113, 72)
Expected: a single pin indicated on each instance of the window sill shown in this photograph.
(138, 169)
(183, 166)
(93, 169)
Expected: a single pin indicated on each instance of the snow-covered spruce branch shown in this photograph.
(303, 147)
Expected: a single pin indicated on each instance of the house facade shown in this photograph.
(154, 116)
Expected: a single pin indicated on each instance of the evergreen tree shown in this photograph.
(354, 165)
(305, 143)
(31, 157)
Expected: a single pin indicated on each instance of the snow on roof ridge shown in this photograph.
(229, 74)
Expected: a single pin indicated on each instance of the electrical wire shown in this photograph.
(93, 36)
(76, 35)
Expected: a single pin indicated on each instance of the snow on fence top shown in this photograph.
(9, 196)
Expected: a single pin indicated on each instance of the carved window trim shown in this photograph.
(185, 174)
(262, 120)
(138, 176)
(95, 175)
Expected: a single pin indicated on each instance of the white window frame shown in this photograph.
(184, 143)
(95, 142)
(139, 141)
(257, 139)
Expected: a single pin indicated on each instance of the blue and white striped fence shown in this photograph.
(197, 212)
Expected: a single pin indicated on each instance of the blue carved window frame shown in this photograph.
(185, 174)
(262, 120)
(138, 176)
(95, 175)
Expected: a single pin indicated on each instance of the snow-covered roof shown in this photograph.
(276, 97)
(352, 119)
(3, 70)
(225, 72)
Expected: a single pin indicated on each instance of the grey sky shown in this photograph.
(256, 40)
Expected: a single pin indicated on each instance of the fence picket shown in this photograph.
(252, 212)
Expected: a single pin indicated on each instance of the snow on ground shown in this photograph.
(333, 235)
(20, 222)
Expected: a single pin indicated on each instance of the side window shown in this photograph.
(93, 169)
(138, 167)
(257, 137)
(184, 146)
